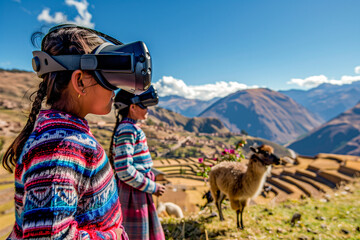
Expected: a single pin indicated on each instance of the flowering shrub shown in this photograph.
(234, 155)
(204, 169)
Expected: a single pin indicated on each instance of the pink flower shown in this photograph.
(211, 165)
(237, 155)
(226, 150)
(201, 160)
(231, 151)
(215, 159)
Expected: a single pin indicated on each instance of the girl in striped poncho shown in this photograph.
(64, 184)
(132, 162)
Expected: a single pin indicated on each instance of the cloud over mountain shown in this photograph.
(169, 85)
(314, 81)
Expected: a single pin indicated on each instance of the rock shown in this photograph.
(345, 231)
(303, 238)
(321, 218)
(310, 231)
(296, 217)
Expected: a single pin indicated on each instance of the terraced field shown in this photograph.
(309, 177)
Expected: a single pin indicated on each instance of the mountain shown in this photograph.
(197, 124)
(184, 106)
(341, 135)
(263, 113)
(327, 100)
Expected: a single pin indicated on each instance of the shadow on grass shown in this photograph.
(189, 229)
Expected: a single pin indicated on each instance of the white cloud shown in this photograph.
(83, 19)
(45, 16)
(169, 85)
(315, 81)
(357, 69)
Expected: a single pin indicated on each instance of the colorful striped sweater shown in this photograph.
(132, 158)
(64, 184)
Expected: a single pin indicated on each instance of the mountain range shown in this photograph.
(341, 135)
(312, 121)
(197, 124)
(187, 107)
(263, 113)
(327, 100)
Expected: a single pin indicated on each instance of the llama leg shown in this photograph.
(243, 204)
(236, 205)
(222, 197)
(237, 218)
(218, 201)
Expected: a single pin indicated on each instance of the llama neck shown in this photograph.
(254, 179)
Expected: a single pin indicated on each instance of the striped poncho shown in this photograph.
(64, 185)
(136, 184)
(132, 157)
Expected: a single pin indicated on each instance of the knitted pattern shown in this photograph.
(64, 184)
(132, 158)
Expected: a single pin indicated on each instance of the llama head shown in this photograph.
(265, 155)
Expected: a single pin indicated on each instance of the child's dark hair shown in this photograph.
(64, 41)
(123, 97)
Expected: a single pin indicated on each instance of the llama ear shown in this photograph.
(254, 149)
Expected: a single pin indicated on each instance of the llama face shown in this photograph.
(265, 155)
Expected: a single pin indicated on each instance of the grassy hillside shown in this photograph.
(328, 218)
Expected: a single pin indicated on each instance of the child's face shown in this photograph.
(137, 113)
(99, 100)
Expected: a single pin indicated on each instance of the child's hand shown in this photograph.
(118, 232)
(160, 189)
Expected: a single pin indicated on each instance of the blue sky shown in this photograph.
(204, 49)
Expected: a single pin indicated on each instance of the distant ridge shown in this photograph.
(197, 124)
(341, 135)
(184, 106)
(327, 100)
(14, 70)
(263, 113)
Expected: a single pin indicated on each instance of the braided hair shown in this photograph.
(120, 113)
(64, 41)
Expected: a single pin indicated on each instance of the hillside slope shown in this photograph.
(341, 135)
(197, 125)
(186, 107)
(263, 113)
(327, 100)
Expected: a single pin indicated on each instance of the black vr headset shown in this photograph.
(115, 65)
(144, 100)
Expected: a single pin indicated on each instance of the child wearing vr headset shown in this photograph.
(132, 162)
(64, 183)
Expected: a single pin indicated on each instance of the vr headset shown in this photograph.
(115, 65)
(146, 99)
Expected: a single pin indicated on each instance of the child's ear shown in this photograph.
(77, 82)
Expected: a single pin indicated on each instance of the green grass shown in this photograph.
(319, 220)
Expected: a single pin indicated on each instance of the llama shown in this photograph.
(240, 182)
(171, 209)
